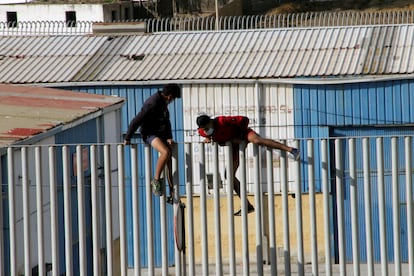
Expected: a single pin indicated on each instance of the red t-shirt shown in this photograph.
(227, 128)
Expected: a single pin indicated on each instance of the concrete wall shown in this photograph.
(251, 230)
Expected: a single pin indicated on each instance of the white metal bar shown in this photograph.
(409, 199)
(95, 212)
(245, 245)
(396, 205)
(271, 210)
(179, 256)
(190, 208)
(381, 205)
(326, 204)
(368, 206)
(81, 209)
(135, 210)
(67, 210)
(354, 205)
(219, 266)
(299, 226)
(2, 218)
(122, 219)
(258, 203)
(108, 209)
(163, 231)
(39, 214)
(53, 211)
(230, 207)
(12, 211)
(26, 211)
(203, 208)
(312, 206)
(340, 205)
(150, 227)
(285, 207)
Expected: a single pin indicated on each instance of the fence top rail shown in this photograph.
(287, 20)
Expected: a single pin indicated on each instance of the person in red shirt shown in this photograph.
(235, 129)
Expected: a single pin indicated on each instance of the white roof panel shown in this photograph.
(234, 54)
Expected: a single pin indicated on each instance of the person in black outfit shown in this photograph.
(154, 120)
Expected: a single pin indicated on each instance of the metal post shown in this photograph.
(95, 213)
(26, 211)
(122, 220)
(53, 211)
(354, 206)
(258, 203)
(203, 207)
(190, 207)
(368, 206)
(108, 209)
(230, 207)
(326, 205)
(219, 266)
(242, 167)
(135, 206)
(396, 205)
(150, 227)
(39, 207)
(81, 210)
(340, 205)
(312, 207)
(285, 207)
(409, 197)
(67, 210)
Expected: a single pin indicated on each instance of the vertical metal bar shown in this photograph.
(39, 207)
(180, 265)
(163, 231)
(122, 220)
(67, 210)
(203, 207)
(299, 227)
(26, 211)
(150, 227)
(396, 205)
(230, 207)
(326, 208)
(258, 203)
(312, 207)
(354, 206)
(190, 207)
(2, 221)
(12, 216)
(108, 209)
(271, 203)
(409, 198)
(81, 210)
(242, 168)
(381, 205)
(368, 206)
(339, 176)
(53, 211)
(285, 207)
(95, 211)
(219, 267)
(135, 206)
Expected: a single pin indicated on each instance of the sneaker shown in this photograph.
(170, 199)
(250, 209)
(157, 187)
(294, 154)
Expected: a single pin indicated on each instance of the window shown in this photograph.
(114, 15)
(11, 19)
(71, 19)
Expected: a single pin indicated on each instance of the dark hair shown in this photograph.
(203, 120)
(172, 89)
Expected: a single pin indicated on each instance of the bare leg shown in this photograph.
(163, 159)
(255, 138)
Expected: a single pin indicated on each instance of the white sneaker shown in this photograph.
(294, 154)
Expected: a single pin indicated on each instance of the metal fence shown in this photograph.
(308, 19)
(350, 176)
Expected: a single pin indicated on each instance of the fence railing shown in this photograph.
(308, 19)
(342, 204)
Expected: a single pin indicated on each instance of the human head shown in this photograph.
(172, 90)
(203, 121)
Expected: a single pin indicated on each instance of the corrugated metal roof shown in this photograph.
(27, 111)
(234, 54)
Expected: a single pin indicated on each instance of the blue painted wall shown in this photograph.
(359, 109)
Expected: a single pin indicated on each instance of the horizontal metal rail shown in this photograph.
(179, 24)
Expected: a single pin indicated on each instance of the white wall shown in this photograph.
(269, 108)
(53, 12)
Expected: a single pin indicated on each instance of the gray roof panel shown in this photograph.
(243, 54)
